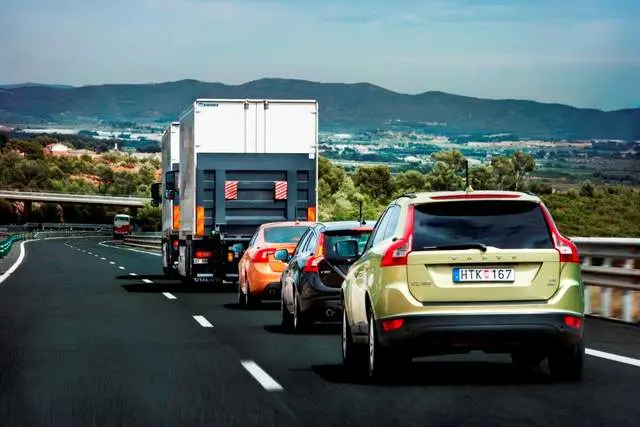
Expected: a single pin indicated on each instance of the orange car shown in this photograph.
(258, 271)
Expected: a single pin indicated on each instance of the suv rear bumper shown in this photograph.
(425, 335)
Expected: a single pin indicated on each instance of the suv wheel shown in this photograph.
(379, 358)
(352, 354)
(567, 363)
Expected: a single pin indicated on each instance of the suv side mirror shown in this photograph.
(347, 248)
(281, 255)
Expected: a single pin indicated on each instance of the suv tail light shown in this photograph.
(567, 249)
(263, 255)
(311, 265)
(399, 250)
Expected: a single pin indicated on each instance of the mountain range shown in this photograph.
(358, 104)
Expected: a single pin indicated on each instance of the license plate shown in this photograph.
(462, 275)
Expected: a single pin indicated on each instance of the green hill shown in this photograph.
(359, 104)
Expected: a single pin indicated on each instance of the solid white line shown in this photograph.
(128, 249)
(133, 274)
(16, 264)
(169, 295)
(202, 321)
(614, 357)
(147, 281)
(121, 267)
(112, 262)
(261, 376)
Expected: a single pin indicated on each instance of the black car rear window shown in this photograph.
(499, 223)
(333, 237)
(284, 234)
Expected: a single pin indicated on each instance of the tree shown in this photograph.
(481, 178)
(375, 181)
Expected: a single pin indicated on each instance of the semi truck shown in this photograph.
(242, 163)
(170, 146)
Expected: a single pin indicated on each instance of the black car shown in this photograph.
(312, 280)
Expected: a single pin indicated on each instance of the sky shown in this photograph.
(584, 53)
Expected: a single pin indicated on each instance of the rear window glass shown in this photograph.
(333, 237)
(284, 234)
(498, 223)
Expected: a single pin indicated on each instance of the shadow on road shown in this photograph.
(459, 373)
(264, 306)
(317, 329)
(176, 288)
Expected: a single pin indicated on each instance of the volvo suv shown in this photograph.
(454, 272)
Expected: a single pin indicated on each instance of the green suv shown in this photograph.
(452, 272)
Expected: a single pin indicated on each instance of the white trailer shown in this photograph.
(242, 163)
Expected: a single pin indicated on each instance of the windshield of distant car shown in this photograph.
(284, 234)
(499, 223)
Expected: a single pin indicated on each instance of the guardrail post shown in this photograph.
(627, 310)
(586, 261)
(605, 293)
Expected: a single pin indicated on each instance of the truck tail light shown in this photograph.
(281, 190)
(200, 221)
(566, 248)
(201, 253)
(231, 190)
(175, 245)
(311, 213)
(176, 217)
(399, 250)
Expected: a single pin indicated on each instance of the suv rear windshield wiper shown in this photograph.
(460, 246)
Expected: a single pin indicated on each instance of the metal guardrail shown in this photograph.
(70, 233)
(610, 268)
(149, 241)
(611, 274)
(42, 226)
(40, 196)
(7, 244)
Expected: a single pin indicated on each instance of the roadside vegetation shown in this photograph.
(587, 210)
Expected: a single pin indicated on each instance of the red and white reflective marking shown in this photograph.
(231, 190)
(281, 190)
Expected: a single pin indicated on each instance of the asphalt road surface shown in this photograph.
(92, 335)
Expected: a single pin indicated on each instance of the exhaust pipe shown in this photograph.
(330, 312)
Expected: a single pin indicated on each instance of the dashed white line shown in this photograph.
(103, 258)
(112, 262)
(614, 357)
(147, 281)
(203, 321)
(133, 274)
(169, 295)
(121, 267)
(90, 253)
(261, 376)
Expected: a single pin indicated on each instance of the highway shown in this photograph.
(93, 335)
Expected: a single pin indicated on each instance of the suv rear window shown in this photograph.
(284, 234)
(499, 223)
(333, 237)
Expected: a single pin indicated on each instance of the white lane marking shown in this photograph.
(202, 321)
(261, 376)
(112, 262)
(169, 295)
(128, 249)
(147, 281)
(90, 253)
(121, 267)
(614, 357)
(16, 264)
(133, 274)
(103, 258)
